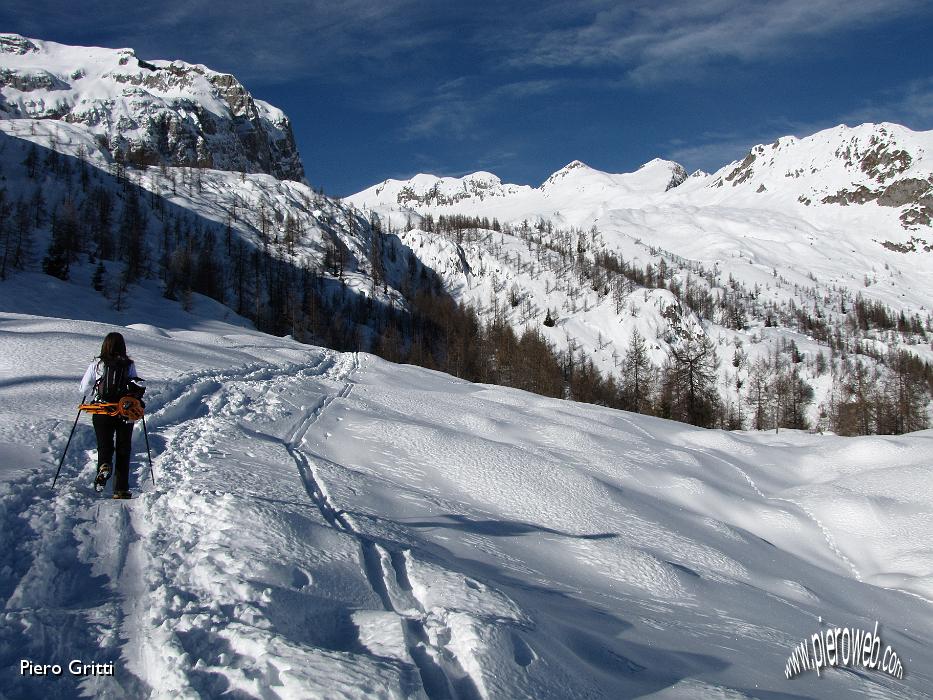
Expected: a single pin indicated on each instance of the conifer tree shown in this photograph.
(857, 407)
(690, 380)
(637, 374)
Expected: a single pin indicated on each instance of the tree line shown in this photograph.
(101, 216)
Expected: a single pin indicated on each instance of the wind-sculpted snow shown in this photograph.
(330, 525)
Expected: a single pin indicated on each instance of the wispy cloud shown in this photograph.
(266, 41)
(910, 104)
(679, 39)
(710, 154)
(527, 88)
(455, 107)
(446, 109)
(283, 39)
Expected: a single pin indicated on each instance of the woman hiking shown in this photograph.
(109, 374)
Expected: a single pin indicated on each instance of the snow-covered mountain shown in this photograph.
(429, 190)
(575, 186)
(329, 524)
(884, 164)
(853, 202)
(812, 223)
(147, 112)
(582, 261)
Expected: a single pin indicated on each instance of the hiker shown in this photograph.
(109, 375)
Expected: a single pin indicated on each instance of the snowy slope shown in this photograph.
(799, 224)
(574, 188)
(255, 208)
(327, 525)
(834, 197)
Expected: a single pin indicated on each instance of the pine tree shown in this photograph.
(63, 243)
(691, 381)
(132, 235)
(901, 403)
(793, 394)
(7, 236)
(23, 249)
(637, 374)
(758, 394)
(857, 409)
(31, 162)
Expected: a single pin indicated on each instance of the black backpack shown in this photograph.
(114, 382)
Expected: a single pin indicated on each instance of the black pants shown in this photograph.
(107, 428)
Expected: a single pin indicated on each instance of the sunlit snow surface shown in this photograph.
(327, 525)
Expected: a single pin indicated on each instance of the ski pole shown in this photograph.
(148, 451)
(70, 435)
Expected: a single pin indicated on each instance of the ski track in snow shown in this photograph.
(827, 535)
(57, 537)
(442, 676)
(202, 637)
(265, 562)
(148, 616)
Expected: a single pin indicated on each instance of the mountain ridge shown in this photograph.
(575, 266)
(884, 163)
(149, 112)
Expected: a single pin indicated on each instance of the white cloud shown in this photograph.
(677, 39)
(455, 107)
(267, 41)
(710, 152)
(910, 104)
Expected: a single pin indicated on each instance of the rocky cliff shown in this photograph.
(147, 112)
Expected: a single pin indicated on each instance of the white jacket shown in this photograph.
(93, 373)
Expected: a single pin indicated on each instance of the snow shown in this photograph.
(746, 222)
(332, 525)
(734, 224)
(179, 112)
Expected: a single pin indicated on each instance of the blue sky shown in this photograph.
(395, 87)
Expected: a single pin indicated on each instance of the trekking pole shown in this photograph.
(70, 435)
(148, 451)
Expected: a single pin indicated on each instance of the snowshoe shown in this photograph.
(122, 494)
(103, 474)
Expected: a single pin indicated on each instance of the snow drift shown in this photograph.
(327, 525)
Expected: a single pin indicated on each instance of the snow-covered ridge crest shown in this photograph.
(883, 163)
(430, 190)
(481, 189)
(149, 112)
(884, 166)
(652, 178)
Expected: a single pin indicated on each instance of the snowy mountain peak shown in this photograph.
(148, 112)
(678, 175)
(426, 190)
(883, 164)
(654, 177)
(571, 167)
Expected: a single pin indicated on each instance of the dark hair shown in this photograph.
(113, 349)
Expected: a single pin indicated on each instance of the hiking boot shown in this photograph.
(122, 494)
(103, 474)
